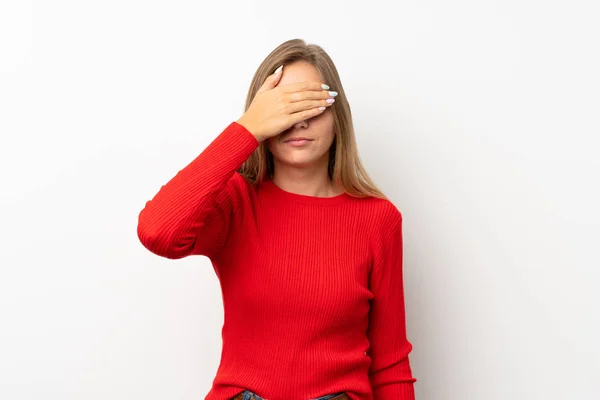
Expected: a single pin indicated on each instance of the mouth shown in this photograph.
(297, 139)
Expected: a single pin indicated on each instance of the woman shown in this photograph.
(307, 250)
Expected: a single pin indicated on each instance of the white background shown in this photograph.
(479, 119)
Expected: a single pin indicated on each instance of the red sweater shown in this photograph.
(312, 286)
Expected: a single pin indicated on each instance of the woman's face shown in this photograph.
(318, 129)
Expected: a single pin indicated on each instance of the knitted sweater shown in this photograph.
(312, 287)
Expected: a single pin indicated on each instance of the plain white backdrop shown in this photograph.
(479, 119)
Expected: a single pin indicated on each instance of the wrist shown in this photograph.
(250, 129)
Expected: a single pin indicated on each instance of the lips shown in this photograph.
(296, 138)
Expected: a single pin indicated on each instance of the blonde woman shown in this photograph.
(307, 250)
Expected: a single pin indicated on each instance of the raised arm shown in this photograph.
(390, 372)
(191, 213)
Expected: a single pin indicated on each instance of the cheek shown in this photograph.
(328, 139)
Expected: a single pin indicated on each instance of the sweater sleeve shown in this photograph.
(191, 214)
(390, 373)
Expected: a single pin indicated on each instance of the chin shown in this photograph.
(297, 161)
(299, 157)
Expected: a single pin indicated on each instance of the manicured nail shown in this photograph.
(324, 86)
(330, 101)
(322, 108)
(333, 94)
(278, 70)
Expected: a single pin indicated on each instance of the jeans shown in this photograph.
(247, 396)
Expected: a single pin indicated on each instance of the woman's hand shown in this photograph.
(275, 109)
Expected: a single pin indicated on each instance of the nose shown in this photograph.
(297, 125)
(301, 124)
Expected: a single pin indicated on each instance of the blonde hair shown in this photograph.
(345, 167)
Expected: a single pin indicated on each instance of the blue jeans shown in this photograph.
(248, 393)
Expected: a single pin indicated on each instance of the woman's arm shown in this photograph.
(390, 373)
(191, 214)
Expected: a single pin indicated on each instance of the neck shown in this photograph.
(308, 181)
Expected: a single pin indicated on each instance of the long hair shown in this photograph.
(345, 167)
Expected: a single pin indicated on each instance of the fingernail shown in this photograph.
(324, 86)
(278, 70)
(333, 94)
(330, 101)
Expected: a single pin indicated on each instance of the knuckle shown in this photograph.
(282, 98)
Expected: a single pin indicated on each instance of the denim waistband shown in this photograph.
(247, 393)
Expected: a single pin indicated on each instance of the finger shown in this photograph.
(302, 86)
(308, 104)
(271, 81)
(310, 95)
(302, 115)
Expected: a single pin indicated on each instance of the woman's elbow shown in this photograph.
(160, 241)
